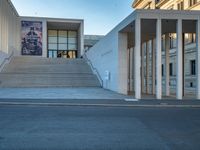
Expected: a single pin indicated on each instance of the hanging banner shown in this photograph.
(31, 43)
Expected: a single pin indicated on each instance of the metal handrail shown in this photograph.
(94, 69)
(6, 59)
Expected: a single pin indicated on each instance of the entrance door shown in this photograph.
(67, 54)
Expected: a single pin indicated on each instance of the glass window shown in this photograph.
(72, 40)
(54, 54)
(50, 54)
(72, 47)
(172, 40)
(53, 46)
(72, 34)
(62, 33)
(171, 69)
(193, 67)
(52, 33)
(71, 54)
(62, 43)
(52, 39)
(62, 40)
(62, 46)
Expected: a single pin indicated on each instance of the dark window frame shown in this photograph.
(193, 67)
(171, 69)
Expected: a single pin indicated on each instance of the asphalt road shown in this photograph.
(98, 128)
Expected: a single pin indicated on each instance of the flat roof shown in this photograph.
(52, 19)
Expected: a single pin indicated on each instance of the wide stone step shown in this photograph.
(37, 75)
(45, 72)
(48, 80)
(36, 60)
(47, 69)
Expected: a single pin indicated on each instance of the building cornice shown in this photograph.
(189, 8)
(161, 3)
(136, 3)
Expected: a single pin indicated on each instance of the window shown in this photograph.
(190, 38)
(180, 6)
(62, 43)
(193, 67)
(171, 69)
(162, 70)
(192, 2)
(172, 40)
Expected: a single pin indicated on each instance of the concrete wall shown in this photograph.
(111, 55)
(9, 29)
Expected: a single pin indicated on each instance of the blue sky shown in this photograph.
(100, 16)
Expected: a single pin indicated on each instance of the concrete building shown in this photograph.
(151, 51)
(154, 51)
(42, 52)
(37, 36)
(189, 71)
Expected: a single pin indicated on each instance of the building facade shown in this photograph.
(189, 44)
(155, 51)
(39, 36)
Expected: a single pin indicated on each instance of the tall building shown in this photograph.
(167, 4)
(189, 41)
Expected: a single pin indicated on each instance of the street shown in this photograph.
(98, 128)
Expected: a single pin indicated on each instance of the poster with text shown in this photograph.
(31, 43)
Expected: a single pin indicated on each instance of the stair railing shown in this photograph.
(95, 71)
(6, 59)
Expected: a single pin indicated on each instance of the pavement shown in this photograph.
(59, 93)
(84, 97)
(98, 128)
(88, 119)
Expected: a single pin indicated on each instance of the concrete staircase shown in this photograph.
(45, 72)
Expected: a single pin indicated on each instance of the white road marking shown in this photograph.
(131, 100)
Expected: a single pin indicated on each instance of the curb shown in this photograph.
(99, 105)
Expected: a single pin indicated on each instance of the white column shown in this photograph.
(147, 67)
(137, 59)
(198, 59)
(123, 63)
(0, 24)
(167, 61)
(131, 69)
(153, 67)
(44, 37)
(142, 67)
(179, 61)
(158, 60)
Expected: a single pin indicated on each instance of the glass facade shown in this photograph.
(62, 44)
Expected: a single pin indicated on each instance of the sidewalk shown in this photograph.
(84, 97)
(59, 93)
